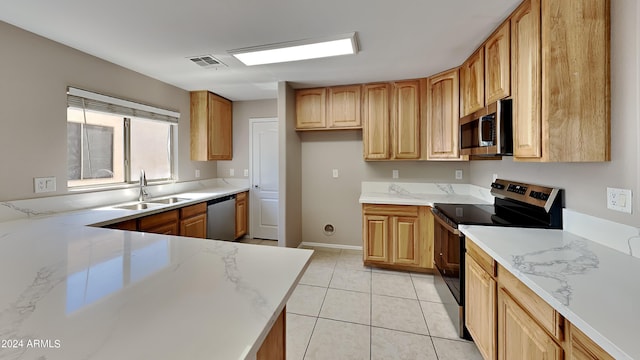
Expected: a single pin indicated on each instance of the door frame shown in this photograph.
(252, 201)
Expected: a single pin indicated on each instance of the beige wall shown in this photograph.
(35, 73)
(327, 200)
(586, 184)
(243, 111)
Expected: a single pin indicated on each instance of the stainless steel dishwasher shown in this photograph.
(221, 218)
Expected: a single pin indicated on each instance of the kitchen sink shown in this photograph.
(138, 206)
(171, 200)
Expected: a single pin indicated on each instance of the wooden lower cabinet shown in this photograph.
(274, 345)
(193, 220)
(242, 211)
(397, 236)
(582, 348)
(130, 225)
(507, 320)
(163, 223)
(520, 336)
(480, 308)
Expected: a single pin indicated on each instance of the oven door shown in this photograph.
(448, 249)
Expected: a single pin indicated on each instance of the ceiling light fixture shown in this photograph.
(298, 50)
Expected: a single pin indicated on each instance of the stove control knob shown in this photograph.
(497, 186)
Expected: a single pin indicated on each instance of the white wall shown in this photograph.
(586, 184)
(35, 73)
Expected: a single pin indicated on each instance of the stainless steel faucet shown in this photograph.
(143, 184)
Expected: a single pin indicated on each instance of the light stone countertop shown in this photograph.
(422, 194)
(92, 293)
(593, 286)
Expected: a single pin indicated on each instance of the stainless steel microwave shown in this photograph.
(488, 131)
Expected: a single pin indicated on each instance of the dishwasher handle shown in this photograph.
(221, 199)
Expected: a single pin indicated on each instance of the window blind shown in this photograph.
(88, 100)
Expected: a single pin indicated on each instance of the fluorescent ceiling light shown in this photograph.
(297, 50)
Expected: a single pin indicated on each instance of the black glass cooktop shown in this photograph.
(500, 214)
(470, 214)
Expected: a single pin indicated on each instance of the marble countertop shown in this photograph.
(593, 286)
(71, 291)
(422, 194)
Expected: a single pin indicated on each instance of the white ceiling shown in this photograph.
(399, 39)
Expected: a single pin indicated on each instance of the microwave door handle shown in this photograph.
(480, 125)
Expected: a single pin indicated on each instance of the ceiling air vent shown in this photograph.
(207, 61)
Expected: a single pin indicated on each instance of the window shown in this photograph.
(109, 140)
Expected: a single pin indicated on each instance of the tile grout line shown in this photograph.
(424, 317)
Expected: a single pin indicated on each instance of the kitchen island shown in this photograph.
(71, 291)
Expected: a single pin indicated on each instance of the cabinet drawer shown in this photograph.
(153, 221)
(391, 210)
(193, 210)
(241, 196)
(483, 259)
(542, 312)
(583, 348)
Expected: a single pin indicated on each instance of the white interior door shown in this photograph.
(264, 178)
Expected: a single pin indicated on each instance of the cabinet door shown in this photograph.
(526, 80)
(220, 124)
(344, 107)
(376, 126)
(405, 119)
(241, 214)
(311, 108)
(497, 64)
(583, 348)
(405, 240)
(472, 83)
(519, 336)
(480, 308)
(376, 238)
(443, 116)
(195, 226)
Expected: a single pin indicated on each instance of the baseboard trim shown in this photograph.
(331, 246)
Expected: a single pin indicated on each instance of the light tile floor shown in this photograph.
(342, 309)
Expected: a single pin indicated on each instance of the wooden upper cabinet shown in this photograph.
(441, 108)
(211, 127)
(344, 107)
(472, 83)
(376, 127)
(497, 64)
(526, 80)
(561, 80)
(311, 108)
(335, 107)
(405, 120)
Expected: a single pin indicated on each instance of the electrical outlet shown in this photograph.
(44, 184)
(197, 173)
(232, 172)
(395, 174)
(335, 173)
(619, 200)
(458, 174)
(246, 172)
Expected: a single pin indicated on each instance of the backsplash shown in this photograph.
(39, 207)
(409, 188)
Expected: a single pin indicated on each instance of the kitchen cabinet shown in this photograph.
(397, 236)
(442, 116)
(480, 310)
(520, 336)
(497, 64)
(560, 53)
(311, 109)
(472, 83)
(193, 220)
(391, 125)
(582, 348)
(333, 108)
(242, 212)
(274, 345)
(130, 225)
(163, 223)
(211, 127)
(376, 129)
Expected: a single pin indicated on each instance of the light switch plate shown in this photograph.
(44, 184)
(246, 172)
(197, 173)
(619, 200)
(335, 173)
(458, 174)
(232, 172)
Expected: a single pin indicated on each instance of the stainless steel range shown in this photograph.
(516, 204)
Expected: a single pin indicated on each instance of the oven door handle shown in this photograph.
(445, 225)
